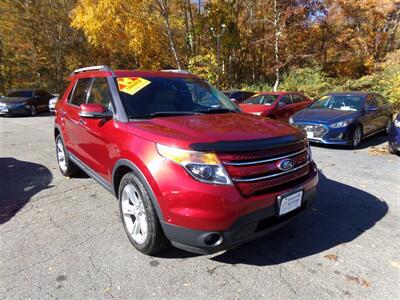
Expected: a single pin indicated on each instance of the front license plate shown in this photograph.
(290, 202)
(310, 134)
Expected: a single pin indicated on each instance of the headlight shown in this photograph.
(291, 121)
(202, 166)
(341, 124)
(397, 123)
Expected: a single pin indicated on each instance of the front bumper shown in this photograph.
(245, 228)
(14, 111)
(330, 136)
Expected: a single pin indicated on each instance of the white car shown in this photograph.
(52, 102)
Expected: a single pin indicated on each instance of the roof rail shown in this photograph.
(177, 71)
(93, 68)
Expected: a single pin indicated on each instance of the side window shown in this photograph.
(40, 93)
(79, 94)
(100, 92)
(381, 100)
(371, 101)
(285, 100)
(297, 98)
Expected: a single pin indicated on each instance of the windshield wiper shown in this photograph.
(217, 110)
(166, 114)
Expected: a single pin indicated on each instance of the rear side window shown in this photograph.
(80, 92)
(381, 100)
(100, 92)
(285, 100)
(297, 98)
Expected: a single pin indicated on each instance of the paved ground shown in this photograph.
(65, 239)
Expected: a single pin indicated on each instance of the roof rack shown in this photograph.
(176, 71)
(93, 68)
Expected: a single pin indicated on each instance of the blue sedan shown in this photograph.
(345, 118)
(394, 137)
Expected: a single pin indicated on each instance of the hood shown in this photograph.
(256, 108)
(327, 116)
(186, 131)
(13, 100)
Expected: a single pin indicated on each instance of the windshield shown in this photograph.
(261, 99)
(339, 102)
(158, 97)
(27, 94)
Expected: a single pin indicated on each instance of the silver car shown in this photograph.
(52, 102)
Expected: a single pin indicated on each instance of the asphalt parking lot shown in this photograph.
(62, 238)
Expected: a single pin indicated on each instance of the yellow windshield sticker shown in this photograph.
(324, 97)
(255, 95)
(132, 85)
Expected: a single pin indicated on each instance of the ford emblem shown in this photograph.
(286, 165)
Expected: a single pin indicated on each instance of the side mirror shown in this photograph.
(234, 100)
(371, 108)
(94, 111)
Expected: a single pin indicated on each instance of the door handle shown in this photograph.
(82, 122)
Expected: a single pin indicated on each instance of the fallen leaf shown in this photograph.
(331, 257)
(50, 269)
(378, 151)
(395, 264)
(360, 281)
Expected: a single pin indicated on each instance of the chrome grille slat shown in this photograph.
(257, 162)
(272, 175)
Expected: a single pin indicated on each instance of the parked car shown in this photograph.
(184, 163)
(52, 102)
(345, 118)
(238, 96)
(275, 105)
(394, 136)
(24, 102)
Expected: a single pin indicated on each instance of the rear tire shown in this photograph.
(66, 166)
(139, 217)
(33, 111)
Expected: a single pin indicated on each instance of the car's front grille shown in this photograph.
(255, 172)
(317, 130)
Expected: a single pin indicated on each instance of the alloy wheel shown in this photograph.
(61, 157)
(134, 213)
(357, 137)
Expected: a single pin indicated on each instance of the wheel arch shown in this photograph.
(124, 166)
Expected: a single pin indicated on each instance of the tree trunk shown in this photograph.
(164, 10)
(276, 48)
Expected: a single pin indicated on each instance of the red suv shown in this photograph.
(276, 105)
(186, 166)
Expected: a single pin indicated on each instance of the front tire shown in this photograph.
(388, 125)
(33, 111)
(66, 166)
(139, 216)
(357, 136)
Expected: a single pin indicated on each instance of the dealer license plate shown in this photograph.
(310, 134)
(290, 202)
(3, 109)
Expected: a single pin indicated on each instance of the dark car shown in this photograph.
(238, 96)
(394, 136)
(184, 163)
(25, 102)
(275, 105)
(345, 118)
